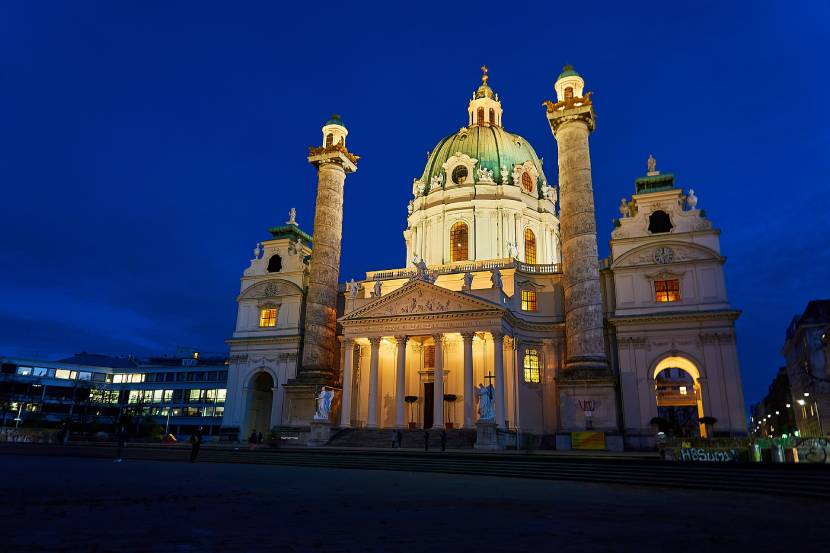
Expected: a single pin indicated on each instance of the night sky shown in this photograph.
(145, 149)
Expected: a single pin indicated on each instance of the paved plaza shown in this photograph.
(71, 504)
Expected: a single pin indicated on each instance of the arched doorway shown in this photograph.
(679, 398)
(260, 401)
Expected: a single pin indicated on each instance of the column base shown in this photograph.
(487, 435)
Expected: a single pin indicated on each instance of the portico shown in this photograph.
(445, 344)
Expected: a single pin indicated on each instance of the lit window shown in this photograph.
(531, 366)
(40, 371)
(329, 140)
(528, 300)
(458, 242)
(527, 182)
(492, 116)
(63, 373)
(195, 396)
(530, 246)
(168, 395)
(221, 394)
(24, 371)
(480, 116)
(84, 376)
(268, 317)
(667, 290)
(683, 391)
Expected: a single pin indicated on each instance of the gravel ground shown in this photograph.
(71, 504)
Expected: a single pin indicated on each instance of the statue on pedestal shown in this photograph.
(292, 217)
(324, 400)
(486, 399)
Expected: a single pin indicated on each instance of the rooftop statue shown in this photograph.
(652, 164)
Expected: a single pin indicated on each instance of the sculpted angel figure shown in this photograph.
(324, 399)
(353, 287)
(292, 216)
(486, 399)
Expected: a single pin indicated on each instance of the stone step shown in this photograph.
(413, 439)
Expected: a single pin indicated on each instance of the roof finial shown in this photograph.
(484, 76)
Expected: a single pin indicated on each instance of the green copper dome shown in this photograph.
(567, 71)
(335, 120)
(492, 146)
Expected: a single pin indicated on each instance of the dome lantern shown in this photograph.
(334, 131)
(569, 84)
(485, 108)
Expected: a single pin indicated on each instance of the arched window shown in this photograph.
(530, 246)
(492, 116)
(480, 116)
(458, 242)
(531, 366)
(275, 264)
(527, 182)
(569, 93)
(659, 221)
(329, 140)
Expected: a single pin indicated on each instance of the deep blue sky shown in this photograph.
(145, 149)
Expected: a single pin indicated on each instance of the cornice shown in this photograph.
(664, 317)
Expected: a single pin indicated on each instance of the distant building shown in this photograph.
(91, 391)
(774, 416)
(807, 353)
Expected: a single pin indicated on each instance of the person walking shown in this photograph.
(252, 439)
(443, 440)
(399, 437)
(426, 440)
(121, 436)
(195, 444)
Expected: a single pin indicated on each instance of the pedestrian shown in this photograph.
(394, 439)
(195, 444)
(426, 440)
(121, 436)
(399, 436)
(259, 438)
(252, 439)
(443, 440)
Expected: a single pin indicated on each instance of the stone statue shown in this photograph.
(258, 251)
(324, 400)
(410, 207)
(486, 398)
(294, 246)
(484, 175)
(495, 278)
(436, 180)
(691, 199)
(352, 287)
(292, 217)
(652, 164)
(376, 291)
(468, 282)
(512, 250)
(625, 208)
(504, 175)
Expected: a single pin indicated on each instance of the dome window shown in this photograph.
(569, 93)
(275, 264)
(492, 116)
(530, 246)
(459, 240)
(658, 222)
(480, 116)
(459, 174)
(329, 140)
(527, 182)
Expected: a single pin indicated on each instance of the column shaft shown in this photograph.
(469, 418)
(346, 402)
(400, 382)
(438, 390)
(372, 417)
(498, 367)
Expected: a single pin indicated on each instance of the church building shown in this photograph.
(503, 324)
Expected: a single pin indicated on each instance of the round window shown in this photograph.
(459, 174)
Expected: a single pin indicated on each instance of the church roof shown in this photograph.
(335, 120)
(288, 231)
(491, 145)
(567, 71)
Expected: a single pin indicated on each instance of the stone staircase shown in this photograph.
(412, 439)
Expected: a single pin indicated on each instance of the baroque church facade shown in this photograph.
(502, 296)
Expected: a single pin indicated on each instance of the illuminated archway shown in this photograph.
(260, 401)
(679, 396)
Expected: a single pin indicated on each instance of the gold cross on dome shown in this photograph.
(484, 76)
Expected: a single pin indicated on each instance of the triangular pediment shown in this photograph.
(417, 298)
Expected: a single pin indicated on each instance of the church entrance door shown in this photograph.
(428, 403)
(260, 400)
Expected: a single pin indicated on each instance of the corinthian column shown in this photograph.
(571, 119)
(332, 161)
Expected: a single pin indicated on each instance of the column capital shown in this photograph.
(347, 341)
(401, 340)
(498, 335)
(439, 337)
(468, 336)
(375, 341)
